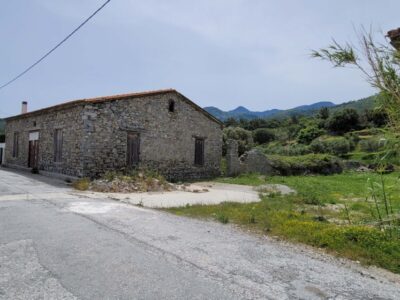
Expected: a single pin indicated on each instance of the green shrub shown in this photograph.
(243, 136)
(221, 217)
(308, 134)
(81, 184)
(372, 144)
(336, 146)
(263, 135)
(306, 164)
(343, 121)
(288, 150)
(356, 242)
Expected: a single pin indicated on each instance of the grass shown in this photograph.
(81, 184)
(328, 212)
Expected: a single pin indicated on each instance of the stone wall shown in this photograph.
(232, 158)
(68, 120)
(253, 161)
(95, 137)
(167, 139)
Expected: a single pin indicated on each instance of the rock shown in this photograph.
(363, 169)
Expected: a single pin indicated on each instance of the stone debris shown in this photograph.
(119, 185)
(141, 183)
(275, 189)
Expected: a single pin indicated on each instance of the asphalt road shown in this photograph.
(57, 244)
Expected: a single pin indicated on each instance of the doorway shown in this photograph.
(133, 149)
(33, 156)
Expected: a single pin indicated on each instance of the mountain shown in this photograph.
(243, 113)
(305, 110)
(359, 105)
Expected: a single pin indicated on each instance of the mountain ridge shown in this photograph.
(245, 113)
(242, 112)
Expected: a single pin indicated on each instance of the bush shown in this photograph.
(357, 242)
(221, 217)
(377, 117)
(336, 146)
(243, 136)
(308, 134)
(263, 136)
(372, 144)
(81, 184)
(288, 150)
(306, 164)
(323, 113)
(343, 121)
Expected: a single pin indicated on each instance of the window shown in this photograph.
(133, 147)
(58, 141)
(199, 152)
(16, 144)
(171, 105)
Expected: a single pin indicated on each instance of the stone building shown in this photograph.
(159, 130)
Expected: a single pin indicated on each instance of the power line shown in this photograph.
(53, 49)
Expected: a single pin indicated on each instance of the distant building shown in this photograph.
(2, 153)
(160, 130)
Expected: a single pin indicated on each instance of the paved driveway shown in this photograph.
(57, 245)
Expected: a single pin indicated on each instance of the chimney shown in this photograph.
(24, 108)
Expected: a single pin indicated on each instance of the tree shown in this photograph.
(378, 62)
(323, 113)
(231, 122)
(243, 136)
(377, 117)
(308, 134)
(343, 121)
(256, 123)
(263, 136)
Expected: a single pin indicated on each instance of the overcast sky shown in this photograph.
(223, 53)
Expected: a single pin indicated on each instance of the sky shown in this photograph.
(223, 53)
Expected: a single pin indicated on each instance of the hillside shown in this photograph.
(360, 105)
(305, 110)
(243, 113)
(2, 123)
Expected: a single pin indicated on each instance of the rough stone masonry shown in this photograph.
(88, 137)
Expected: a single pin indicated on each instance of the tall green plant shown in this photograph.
(380, 64)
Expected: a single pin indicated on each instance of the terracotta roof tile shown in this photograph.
(112, 98)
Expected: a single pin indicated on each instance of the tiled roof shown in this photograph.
(112, 98)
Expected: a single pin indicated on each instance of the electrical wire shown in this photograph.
(54, 48)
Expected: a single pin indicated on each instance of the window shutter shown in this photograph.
(199, 152)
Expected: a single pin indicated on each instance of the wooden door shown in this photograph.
(199, 152)
(133, 149)
(33, 160)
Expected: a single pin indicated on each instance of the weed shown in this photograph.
(221, 217)
(348, 229)
(81, 184)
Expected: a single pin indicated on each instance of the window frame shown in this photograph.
(171, 105)
(58, 142)
(16, 145)
(199, 161)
